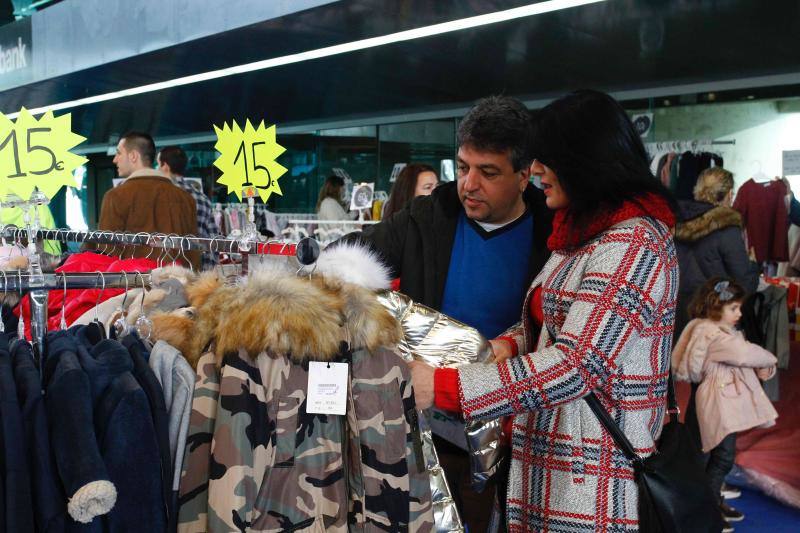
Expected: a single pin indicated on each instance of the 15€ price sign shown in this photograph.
(35, 153)
(247, 159)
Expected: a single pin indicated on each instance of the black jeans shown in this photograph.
(720, 462)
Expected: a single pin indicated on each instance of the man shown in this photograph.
(472, 248)
(147, 201)
(172, 161)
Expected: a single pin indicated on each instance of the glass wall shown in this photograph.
(364, 153)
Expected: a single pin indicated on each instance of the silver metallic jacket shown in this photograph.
(441, 341)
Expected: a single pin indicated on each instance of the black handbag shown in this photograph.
(675, 495)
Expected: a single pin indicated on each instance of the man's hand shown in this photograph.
(422, 380)
(501, 349)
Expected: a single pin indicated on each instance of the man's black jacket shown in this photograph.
(417, 241)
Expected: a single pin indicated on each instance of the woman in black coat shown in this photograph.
(709, 240)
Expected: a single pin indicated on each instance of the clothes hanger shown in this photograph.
(113, 237)
(170, 251)
(95, 329)
(120, 326)
(124, 246)
(21, 323)
(182, 255)
(18, 241)
(162, 251)
(759, 176)
(5, 289)
(62, 325)
(143, 325)
(147, 243)
(213, 247)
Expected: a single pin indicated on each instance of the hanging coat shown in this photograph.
(274, 466)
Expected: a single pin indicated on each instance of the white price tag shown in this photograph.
(327, 388)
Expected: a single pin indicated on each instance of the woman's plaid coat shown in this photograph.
(609, 309)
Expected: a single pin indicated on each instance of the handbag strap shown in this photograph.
(672, 402)
(614, 430)
(617, 434)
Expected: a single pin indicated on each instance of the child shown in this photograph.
(730, 398)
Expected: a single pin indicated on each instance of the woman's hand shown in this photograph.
(501, 350)
(422, 380)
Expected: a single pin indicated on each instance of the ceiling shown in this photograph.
(618, 45)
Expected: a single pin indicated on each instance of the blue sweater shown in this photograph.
(488, 275)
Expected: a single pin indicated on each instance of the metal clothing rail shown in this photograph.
(39, 285)
(12, 281)
(335, 222)
(152, 240)
(694, 143)
(306, 251)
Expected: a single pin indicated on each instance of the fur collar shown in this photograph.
(714, 219)
(352, 263)
(286, 315)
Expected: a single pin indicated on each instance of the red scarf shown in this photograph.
(564, 237)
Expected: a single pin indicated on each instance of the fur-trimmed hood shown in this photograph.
(699, 220)
(287, 315)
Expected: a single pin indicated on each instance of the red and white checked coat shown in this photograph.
(609, 309)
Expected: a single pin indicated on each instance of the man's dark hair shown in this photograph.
(142, 143)
(175, 158)
(499, 124)
(588, 140)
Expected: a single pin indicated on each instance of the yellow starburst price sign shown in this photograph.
(247, 159)
(36, 153)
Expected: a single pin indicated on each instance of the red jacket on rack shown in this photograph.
(78, 301)
(765, 218)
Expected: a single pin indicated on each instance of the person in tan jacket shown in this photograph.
(730, 397)
(148, 200)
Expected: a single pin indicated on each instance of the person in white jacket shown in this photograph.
(329, 203)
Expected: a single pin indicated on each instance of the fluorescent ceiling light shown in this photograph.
(372, 42)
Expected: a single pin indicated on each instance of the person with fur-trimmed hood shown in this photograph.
(709, 240)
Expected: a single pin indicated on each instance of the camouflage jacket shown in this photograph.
(255, 459)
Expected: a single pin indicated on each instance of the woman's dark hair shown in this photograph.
(713, 295)
(403, 189)
(332, 188)
(588, 140)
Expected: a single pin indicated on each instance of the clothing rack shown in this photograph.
(152, 240)
(339, 222)
(306, 251)
(22, 282)
(680, 146)
(38, 284)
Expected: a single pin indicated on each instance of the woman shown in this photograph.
(606, 299)
(329, 203)
(416, 179)
(709, 240)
